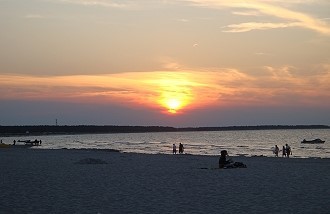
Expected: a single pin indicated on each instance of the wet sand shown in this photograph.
(92, 181)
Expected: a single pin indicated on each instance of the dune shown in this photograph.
(92, 181)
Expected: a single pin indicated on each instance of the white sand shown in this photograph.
(51, 181)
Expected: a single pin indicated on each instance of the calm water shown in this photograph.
(248, 143)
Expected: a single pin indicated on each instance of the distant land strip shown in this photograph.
(108, 129)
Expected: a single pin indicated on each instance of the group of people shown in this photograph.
(181, 149)
(286, 151)
(29, 142)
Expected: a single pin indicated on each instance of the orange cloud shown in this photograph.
(176, 91)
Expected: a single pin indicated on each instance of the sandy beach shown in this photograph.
(92, 181)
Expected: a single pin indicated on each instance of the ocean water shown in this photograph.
(237, 143)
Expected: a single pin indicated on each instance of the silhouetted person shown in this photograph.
(174, 148)
(288, 150)
(181, 148)
(14, 142)
(224, 163)
(283, 152)
(223, 159)
(276, 150)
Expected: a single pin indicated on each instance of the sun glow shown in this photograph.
(173, 105)
(175, 92)
(173, 102)
(171, 93)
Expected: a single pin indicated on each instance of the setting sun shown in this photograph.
(174, 101)
(173, 105)
(175, 91)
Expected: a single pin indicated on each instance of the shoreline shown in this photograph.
(24, 147)
(91, 181)
(211, 155)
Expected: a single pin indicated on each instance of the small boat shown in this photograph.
(30, 142)
(315, 141)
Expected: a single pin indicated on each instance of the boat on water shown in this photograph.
(30, 142)
(315, 141)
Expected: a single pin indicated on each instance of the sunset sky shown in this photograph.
(164, 62)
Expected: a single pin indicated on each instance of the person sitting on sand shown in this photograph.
(223, 159)
(224, 163)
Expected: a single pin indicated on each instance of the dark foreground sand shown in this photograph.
(59, 181)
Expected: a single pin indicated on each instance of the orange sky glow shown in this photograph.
(174, 92)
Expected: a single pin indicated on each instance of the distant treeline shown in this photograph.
(90, 129)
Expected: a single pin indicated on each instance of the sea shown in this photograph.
(237, 143)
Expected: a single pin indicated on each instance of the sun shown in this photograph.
(174, 101)
(174, 92)
(173, 105)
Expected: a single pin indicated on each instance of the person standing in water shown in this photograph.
(276, 150)
(181, 148)
(283, 152)
(174, 148)
(288, 150)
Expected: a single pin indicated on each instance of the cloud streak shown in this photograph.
(246, 13)
(255, 8)
(249, 26)
(269, 8)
